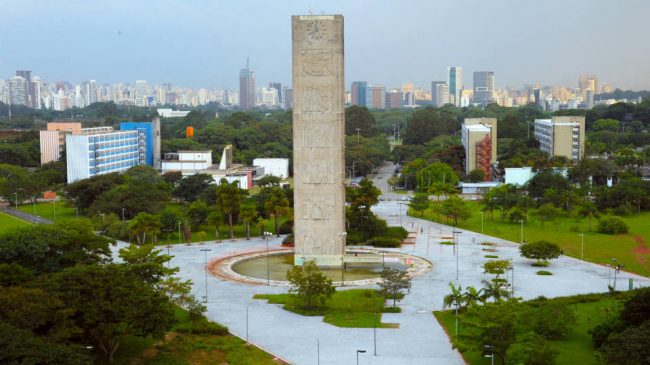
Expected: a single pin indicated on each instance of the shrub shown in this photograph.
(449, 243)
(397, 232)
(574, 229)
(540, 264)
(353, 238)
(383, 241)
(544, 272)
(487, 244)
(289, 240)
(542, 251)
(491, 256)
(552, 320)
(202, 327)
(392, 310)
(612, 225)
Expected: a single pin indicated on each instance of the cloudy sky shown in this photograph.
(204, 43)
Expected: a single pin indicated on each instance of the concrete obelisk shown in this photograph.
(318, 139)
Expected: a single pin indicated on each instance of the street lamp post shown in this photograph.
(582, 246)
(205, 251)
(521, 221)
(268, 235)
(53, 211)
(360, 352)
(453, 236)
(103, 215)
(16, 201)
(34, 207)
(617, 268)
(491, 355)
(358, 130)
(179, 232)
(342, 235)
(512, 268)
(481, 222)
(123, 209)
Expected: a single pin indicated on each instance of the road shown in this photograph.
(24, 216)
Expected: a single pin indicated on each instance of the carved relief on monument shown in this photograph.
(317, 62)
(321, 169)
(318, 134)
(317, 209)
(318, 244)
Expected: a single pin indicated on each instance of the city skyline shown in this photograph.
(209, 50)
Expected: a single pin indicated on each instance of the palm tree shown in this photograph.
(248, 213)
(455, 297)
(276, 205)
(495, 289)
(144, 223)
(473, 296)
(588, 210)
(215, 218)
(229, 201)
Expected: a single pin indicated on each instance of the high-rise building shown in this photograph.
(52, 140)
(455, 82)
(537, 98)
(561, 136)
(103, 152)
(393, 99)
(89, 92)
(588, 82)
(358, 93)
(439, 93)
(151, 133)
(141, 93)
(287, 98)
(18, 91)
(479, 137)
(35, 88)
(483, 87)
(246, 88)
(269, 96)
(375, 97)
(278, 87)
(32, 100)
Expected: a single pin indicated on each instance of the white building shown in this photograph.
(169, 113)
(188, 162)
(274, 166)
(269, 96)
(99, 153)
(561, 136)
(140, 93)
(518, 175)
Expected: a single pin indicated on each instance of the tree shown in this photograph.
(361, 118)
(424, 124)
(494, 328)
(121, 305)
(311, 287)
(197, 213)
(269, 180)
(215, 218)
(173, 178)
(276, 205)
(455, 297)
(547, 212)
(496, 289)
(541, 251)
(588, 210)
(606, 125)
(394, 283)
(147, 263)
(420, 203)
(436, 173)
(17, 180)
(52, 248)
(248, 213)
(455, 208)
(497, 267)
(142, 224)
(191, 187)
(229, 201)
(628, 347)
(83, 193)
(476, 175)
(23, 347)
(472, 296)
(532, 349)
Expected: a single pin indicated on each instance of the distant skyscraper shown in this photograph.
(18, 91)
(393, 99)
(455, 82)
(269, 96)
(246, 88)
(140, 93)
(278, 87)
(287, 98)
(358, 91)
(375, 97)
(588, 82)
(483, 87)
(537, 97)
(439, 93)
(32, 101)
(90, 92)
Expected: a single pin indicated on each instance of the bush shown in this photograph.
(552, 320)
(574, 229)
(383, 241)
(397, 232)
(392, 310)
(612, 225)
(542, 251)
(289, 240)
(286, 227)
(491, 256)
(448, 243)
(540, 264)
(544, 272)
(202, 327)
(353, 238)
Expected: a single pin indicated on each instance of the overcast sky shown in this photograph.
(204, 43)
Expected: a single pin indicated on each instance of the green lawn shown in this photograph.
(630, 249)
(576, 348)
(183, 348)
(47, 210)
(8, 222)
(347, 308)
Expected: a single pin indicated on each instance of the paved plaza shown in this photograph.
(419, 338)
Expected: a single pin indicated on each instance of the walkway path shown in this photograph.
(24, 216)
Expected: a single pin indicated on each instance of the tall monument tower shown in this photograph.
(318, 139)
